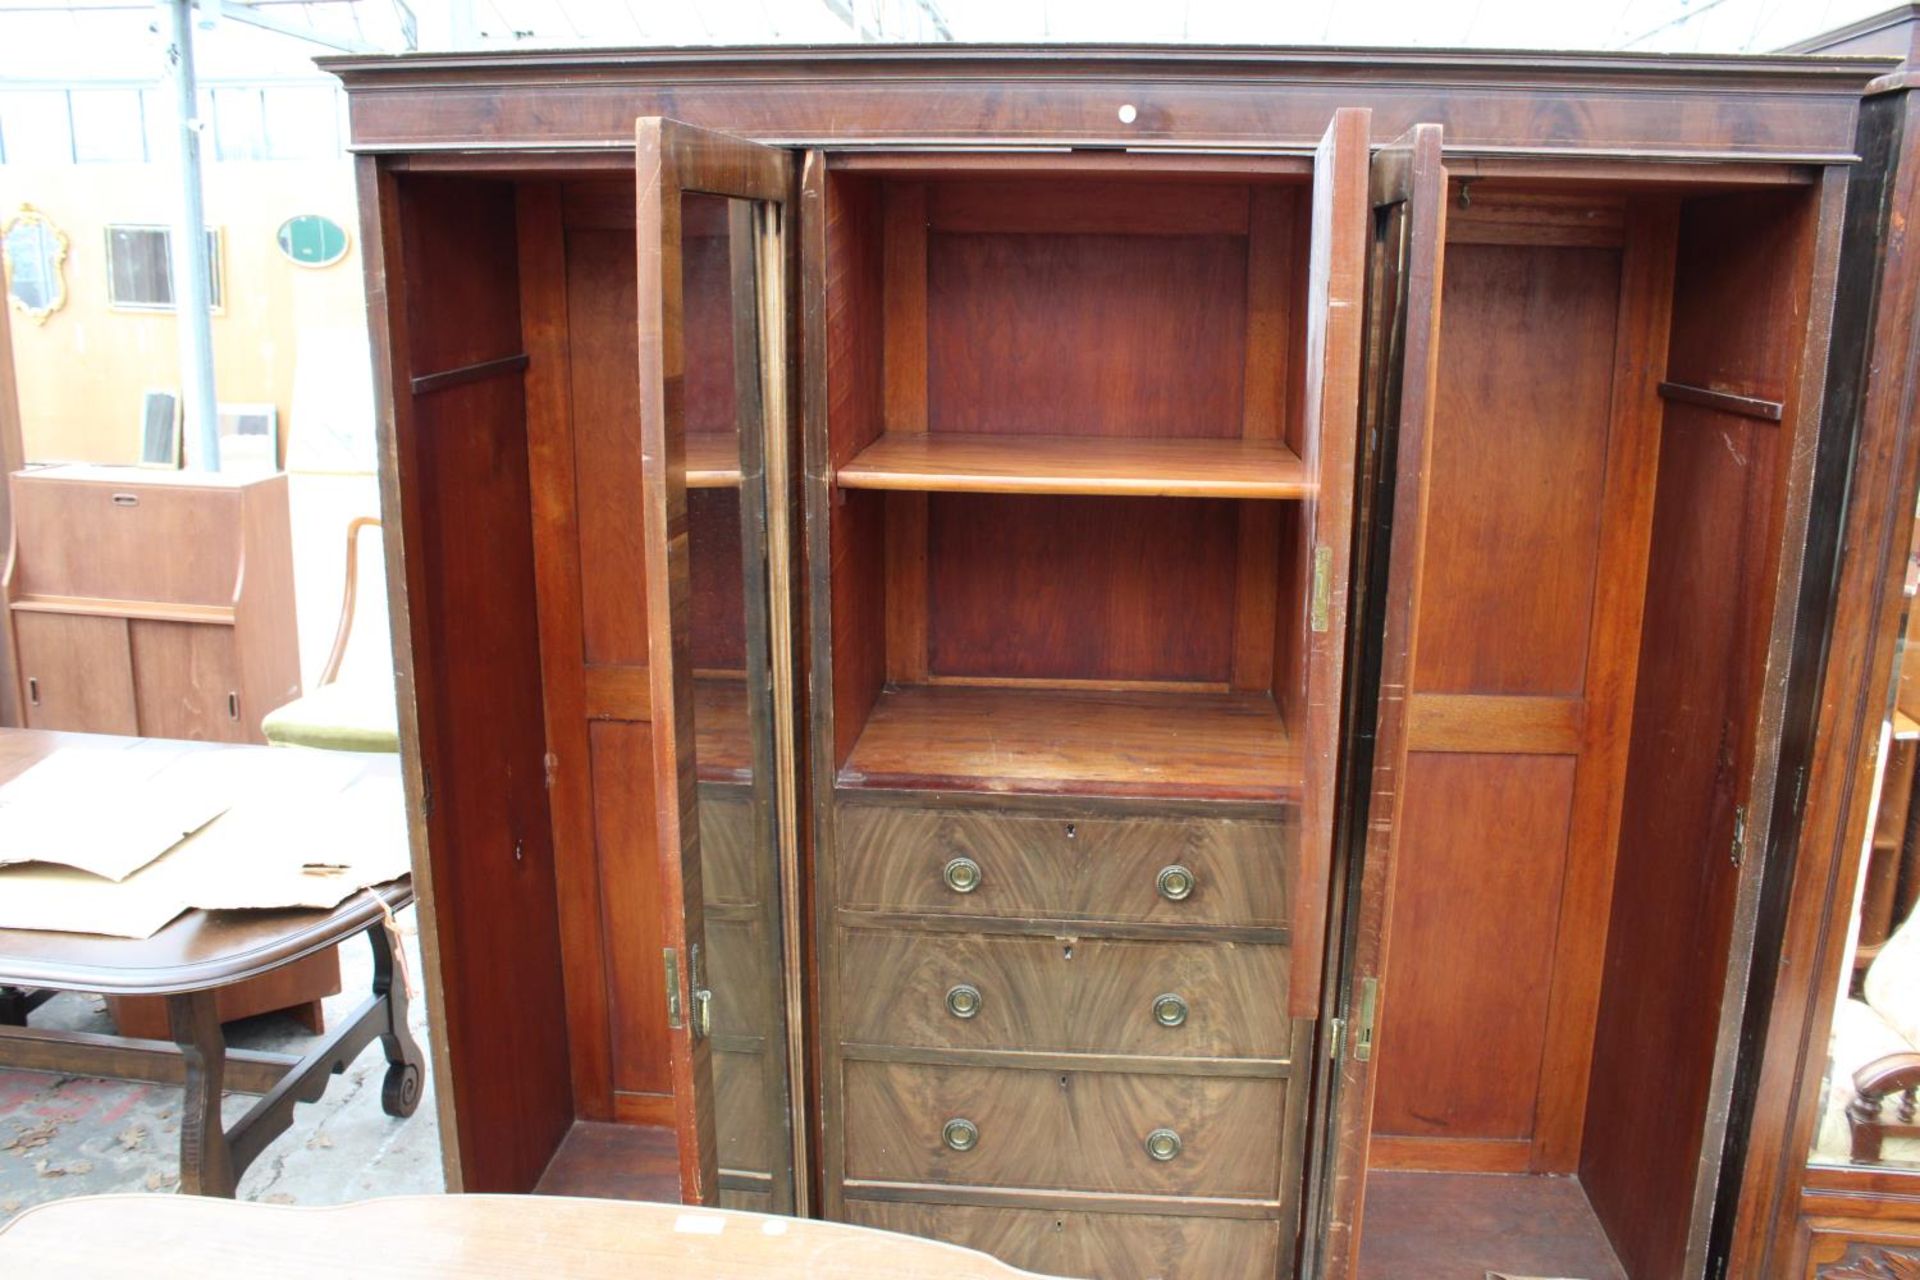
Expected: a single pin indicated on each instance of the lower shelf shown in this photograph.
(1180, 745)
(614, 1162)
(1462, 1226)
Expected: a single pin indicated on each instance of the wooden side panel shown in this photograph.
(461, 489)
(857, 576)
(1744, 276)
(76, 673)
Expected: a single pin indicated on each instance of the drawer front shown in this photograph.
(896, 859)
(1103, 1245)
(169, 543)
(1087, 995)
(1065, 1130)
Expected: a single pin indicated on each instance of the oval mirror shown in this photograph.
(313, 240)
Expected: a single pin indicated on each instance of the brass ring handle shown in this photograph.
(1163, 1144)
(1169, 1010)
(962, 875)
(963, 1001)
(1175, 883)
(961, 1134)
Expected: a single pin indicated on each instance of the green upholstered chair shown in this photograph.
(340, 715)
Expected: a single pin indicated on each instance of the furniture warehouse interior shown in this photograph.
(1166, 660)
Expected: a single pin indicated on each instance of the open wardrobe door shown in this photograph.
(1407, 195)
(711, 220)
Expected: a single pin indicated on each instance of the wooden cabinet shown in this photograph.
(1109, 655)
(149, 603)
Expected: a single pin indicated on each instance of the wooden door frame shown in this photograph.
(1851, 604)
(671, 160)
(1409, 178)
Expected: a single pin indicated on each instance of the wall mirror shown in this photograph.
(36, 255)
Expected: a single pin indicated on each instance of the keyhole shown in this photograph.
(519, 850)
(1073, 829)
(1066, 952)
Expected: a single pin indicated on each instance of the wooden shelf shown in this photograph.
(1217, 746)
(713, 462)
(950, 462)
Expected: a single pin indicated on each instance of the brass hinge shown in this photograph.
(1739, 851)
(426, 791)
(672, 959)
(1363, 1023)
(1320, 614)
(1336, 1037)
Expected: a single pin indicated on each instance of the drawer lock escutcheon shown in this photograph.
(1163, 1144)
(1169, 1010)
(1175, 883)
(961, 1134)
(962, 875)
(963, 1001)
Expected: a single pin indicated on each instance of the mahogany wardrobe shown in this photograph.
(1166, 662)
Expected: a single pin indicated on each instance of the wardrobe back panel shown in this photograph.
(601, 317)
(1115, 589)
(464, 489)
(1740, 304)
(1495, 946)
(1481, 864)
(1519, 466)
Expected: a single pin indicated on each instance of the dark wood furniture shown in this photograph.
(461, 1236)
(187, 966)
(151, 603)
(1790, 1213)
(1051, 647)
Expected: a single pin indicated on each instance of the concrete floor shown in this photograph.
(67, 1136)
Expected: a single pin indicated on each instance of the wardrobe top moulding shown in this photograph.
(579, 106)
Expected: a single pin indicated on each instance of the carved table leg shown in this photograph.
(400, 1094)
(206, 1159)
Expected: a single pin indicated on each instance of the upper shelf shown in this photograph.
(951, 462)
(713, 461)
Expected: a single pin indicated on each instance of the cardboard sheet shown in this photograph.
(287, 846)
(109, 812)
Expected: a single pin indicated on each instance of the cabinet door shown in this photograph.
(1407, 193)
(187, 681)
(711, 224)
(75, 672)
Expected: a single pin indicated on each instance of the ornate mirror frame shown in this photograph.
(52, 242)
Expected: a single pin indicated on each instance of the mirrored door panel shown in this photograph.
(713, 423)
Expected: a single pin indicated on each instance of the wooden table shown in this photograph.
(160, 1236)
(187, 962)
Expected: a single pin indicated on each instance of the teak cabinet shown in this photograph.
(151, 603)
(1138, 658)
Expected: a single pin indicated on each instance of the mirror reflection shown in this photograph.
(1868, 1116)
(36, 254)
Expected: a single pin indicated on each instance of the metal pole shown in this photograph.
(190, 291)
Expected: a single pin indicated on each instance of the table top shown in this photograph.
(463, 1235)
(201, 949)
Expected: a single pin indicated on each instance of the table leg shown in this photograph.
(206, 1158)
(400, 1094)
